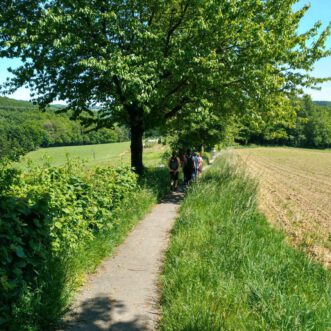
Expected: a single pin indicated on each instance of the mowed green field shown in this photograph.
(94, 155)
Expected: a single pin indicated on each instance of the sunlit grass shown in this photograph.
(94, 155)
(113, 154)
(227, 269)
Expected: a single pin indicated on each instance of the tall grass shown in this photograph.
(227, 269)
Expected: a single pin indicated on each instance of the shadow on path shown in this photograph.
(174, 197)
(95, 315)
(124, 295)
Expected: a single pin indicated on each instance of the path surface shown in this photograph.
(123, 294)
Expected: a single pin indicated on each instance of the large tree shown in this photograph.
(146, 61)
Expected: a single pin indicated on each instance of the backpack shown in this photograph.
(173, 163)
(189, 163)
(196, 162)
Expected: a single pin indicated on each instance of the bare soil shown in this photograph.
(295, 194)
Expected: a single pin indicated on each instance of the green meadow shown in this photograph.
(94, 155)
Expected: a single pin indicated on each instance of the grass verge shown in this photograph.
(227, 269)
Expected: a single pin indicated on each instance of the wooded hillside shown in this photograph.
(24, 128)
(311, 127)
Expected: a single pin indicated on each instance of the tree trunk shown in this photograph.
(137, 132)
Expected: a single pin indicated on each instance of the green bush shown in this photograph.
(47, 215)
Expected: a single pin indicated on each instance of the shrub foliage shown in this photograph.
(46, 216)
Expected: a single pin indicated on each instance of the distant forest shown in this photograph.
(323, 103)
(311, 128)
(23, 128)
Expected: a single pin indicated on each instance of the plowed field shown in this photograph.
(295, 194)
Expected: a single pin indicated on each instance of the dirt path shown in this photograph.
(123, 294)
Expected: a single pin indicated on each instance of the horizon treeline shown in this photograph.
(23, 128)
(311, 129)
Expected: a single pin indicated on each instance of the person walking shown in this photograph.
(173, 166)
(188, 167)
(200, 163)
(196, 165)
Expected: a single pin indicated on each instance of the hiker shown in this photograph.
(200, 162)
(188, 167)
(173, 166)
(181, 157)
(213, 153)
(196, 165)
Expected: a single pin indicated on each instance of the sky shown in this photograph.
(319, 10)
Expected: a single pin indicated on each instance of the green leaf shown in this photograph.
(58, 225)
(20, 252)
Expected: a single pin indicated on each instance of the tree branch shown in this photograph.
(150, 20)
(173, 28)
(177, 108)
(177, 88)
(119, 90)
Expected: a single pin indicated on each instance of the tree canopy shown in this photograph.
(150, 61)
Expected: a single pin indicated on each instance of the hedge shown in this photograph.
(47, 215)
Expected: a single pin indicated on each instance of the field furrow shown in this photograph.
(295, 194)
